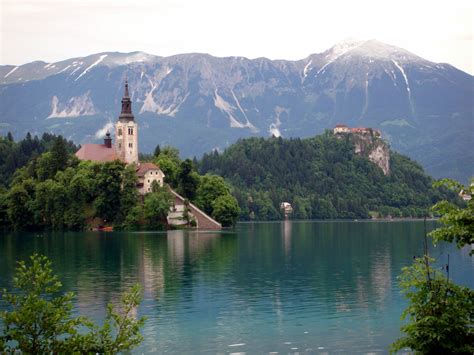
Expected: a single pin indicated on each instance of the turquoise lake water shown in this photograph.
(286, 287)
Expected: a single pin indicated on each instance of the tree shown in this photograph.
(156, 207)
(226, 210)
(210, 188)
(129, 195)
(458, 221)
(188, 179)
(19, 201)
(441, 313)
(41, 321)
(109, 188)
(59, 154)
(156, 154)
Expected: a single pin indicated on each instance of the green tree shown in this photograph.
(50, 204)
(441, 313)
(121, 329)
(169, 162)
(226, 210)
(188, 179)
(156, 207)
(19, 204)
(210, 188)
(59, 154)
(458, 221)
(108, 189)
(157, 151)
(41, 321)
(129, 193)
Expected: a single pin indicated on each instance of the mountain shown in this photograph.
(198, 102)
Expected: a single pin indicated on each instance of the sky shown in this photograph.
(53, 30)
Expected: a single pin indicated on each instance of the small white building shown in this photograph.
(147, 173)
(341, 128)
(286, 208)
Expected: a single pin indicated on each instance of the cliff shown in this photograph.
(369, 144)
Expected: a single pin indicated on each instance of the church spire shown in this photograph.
(126, 113)
(126, 89)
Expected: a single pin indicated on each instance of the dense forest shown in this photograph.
(44, 186)
(322, 178)
(14, 155)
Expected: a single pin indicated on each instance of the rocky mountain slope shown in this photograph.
(198, 102)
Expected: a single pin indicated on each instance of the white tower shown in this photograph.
(126, 132)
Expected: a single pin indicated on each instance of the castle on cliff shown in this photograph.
(126, 150)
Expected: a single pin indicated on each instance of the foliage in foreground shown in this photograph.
(41, 322)
(441, 313)
(458, 221)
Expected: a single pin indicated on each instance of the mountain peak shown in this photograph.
(371, 48)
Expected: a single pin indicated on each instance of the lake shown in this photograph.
(286, 287)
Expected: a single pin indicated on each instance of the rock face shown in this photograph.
(380, 155)
(197, 102)
(368, 143)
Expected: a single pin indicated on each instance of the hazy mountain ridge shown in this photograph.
(198, 102)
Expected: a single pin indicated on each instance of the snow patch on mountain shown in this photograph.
(10, 72)
(338, 51)
(63, 70)
(407, 84)
(76, 69)
(75, 107)
(100, 133)
(306, 68)
(91, 66)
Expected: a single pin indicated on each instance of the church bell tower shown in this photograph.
(126, 132)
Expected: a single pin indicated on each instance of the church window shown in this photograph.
(120, 131)
(130, 145)
(130, 131)
(120, 145)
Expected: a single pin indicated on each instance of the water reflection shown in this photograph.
(311, 284)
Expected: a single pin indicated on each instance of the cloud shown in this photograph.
(101, 132)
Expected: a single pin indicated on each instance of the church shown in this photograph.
(125, 149)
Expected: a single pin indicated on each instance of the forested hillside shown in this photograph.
(321, 177)
(14, 155)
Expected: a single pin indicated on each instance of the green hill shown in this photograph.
(322, 177)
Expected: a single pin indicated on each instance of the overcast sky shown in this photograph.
(53, 30)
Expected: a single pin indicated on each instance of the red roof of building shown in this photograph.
(341, 126)
(144, 167)
(96, 152)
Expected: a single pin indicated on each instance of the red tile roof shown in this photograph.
(144, 167)
(96, 152)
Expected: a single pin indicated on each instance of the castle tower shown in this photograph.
(126, 132)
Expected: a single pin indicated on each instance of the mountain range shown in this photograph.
(197, 102)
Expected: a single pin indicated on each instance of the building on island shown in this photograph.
(343, 129)
(126, 150)
(286, 208)
(147, 173)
